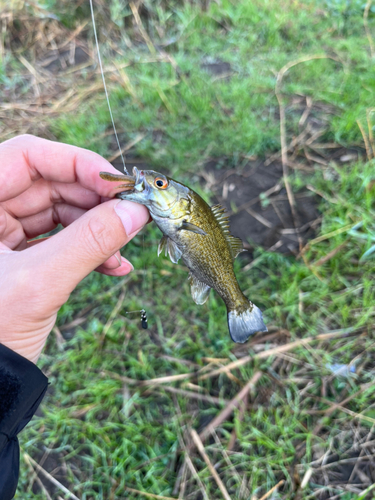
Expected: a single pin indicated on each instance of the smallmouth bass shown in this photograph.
(199, 235)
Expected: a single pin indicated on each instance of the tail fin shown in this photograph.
(245, 323)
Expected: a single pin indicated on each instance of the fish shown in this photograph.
(199, 235)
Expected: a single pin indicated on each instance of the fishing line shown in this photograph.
(142, 311)
(104, 84)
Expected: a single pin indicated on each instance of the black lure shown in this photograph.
(143, 317)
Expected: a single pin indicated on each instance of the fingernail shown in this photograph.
(125, 261)
(117, 258)
(131, 215)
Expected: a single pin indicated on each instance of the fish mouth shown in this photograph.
(139, 184)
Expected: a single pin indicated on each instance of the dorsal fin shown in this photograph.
(235, 244)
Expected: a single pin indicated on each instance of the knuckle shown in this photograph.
(26, 136)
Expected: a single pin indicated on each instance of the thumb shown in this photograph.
(89, 241)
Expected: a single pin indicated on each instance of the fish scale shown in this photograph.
(208, 256)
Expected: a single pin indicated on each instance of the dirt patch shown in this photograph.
(217, 67)
(259, 208)
(351, 468)
(53, 463)
(56, 61)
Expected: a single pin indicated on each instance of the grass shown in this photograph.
(106, 437)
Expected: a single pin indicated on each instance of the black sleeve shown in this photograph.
(22, 387)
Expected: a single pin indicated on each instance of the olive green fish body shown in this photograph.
(199, 235)
(208, 256)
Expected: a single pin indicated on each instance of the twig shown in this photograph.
(215, 475)
(230, 464)
(321, 194)
(330, 254)
(151, 381)
(306, 112)
(345, 461)
(351, 413)
(149, 495)
(60, 341)
(369, 127)
(274, 189)
(259, 218)
(180, 478)
(196, 395)
(34, 477)
(141, 28)
(280, 483)
(188, 460)
(365, 140)
(284, 148)
(43, 488)
(228, 410)
(241, 415)
(326, 236)
(315, 158)
(194, 473)
(306, 478)
(183, 481)
(365, 22)
(48, 476)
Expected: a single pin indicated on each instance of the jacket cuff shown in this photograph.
(22, 387)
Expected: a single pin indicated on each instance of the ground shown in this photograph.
(265, 107)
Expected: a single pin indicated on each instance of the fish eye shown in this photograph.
(161, 183)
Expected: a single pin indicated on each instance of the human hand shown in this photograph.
(42, 184)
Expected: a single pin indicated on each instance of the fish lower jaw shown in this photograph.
(124, 194)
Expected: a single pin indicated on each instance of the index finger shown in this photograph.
(26, 158)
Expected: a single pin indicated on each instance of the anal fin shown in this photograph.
(199, 291)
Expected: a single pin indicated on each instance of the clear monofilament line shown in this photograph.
(105, 86)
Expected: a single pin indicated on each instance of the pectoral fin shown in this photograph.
(199, 291)
(169, 246)
(173, 251)
(189, 226)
